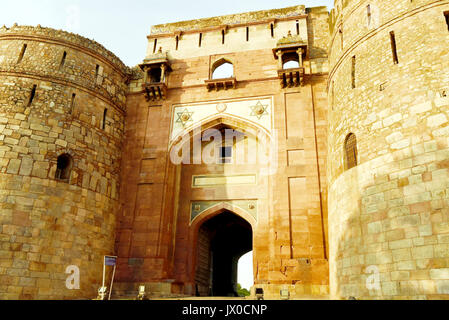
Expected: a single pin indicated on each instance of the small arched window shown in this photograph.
(291, 65)
(351, 151)
(155, 75)
(290, 61)
(222, 69)
(64, 167)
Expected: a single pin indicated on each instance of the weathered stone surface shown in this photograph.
(41, 229)
(397, 112)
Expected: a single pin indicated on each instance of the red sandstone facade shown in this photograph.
(170, 233)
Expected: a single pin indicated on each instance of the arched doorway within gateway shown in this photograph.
(222, 240)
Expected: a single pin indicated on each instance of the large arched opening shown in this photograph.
(217, 203)
(221, 241)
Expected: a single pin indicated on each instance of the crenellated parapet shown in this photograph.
(65, 57)
(231, 33)
(230, 20)
(64, 37)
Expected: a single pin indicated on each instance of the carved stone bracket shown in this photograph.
(156, 91)
(217, 84)
(291, 77)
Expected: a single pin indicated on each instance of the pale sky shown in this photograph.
(245, 271)
(122, 25)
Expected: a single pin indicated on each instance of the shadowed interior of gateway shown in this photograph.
(222, 241)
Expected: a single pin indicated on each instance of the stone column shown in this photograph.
(279, 53)
(300, 52)
(145, 76)
(163, 70)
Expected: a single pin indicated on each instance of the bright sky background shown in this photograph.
(245, 271)
(122, 25)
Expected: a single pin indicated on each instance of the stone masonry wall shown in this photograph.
(47, 225)
(389, 216)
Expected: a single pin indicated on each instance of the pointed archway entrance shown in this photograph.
(222, 241)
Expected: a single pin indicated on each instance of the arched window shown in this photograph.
(290, 61)
(222, 69)
(64, 168)
(291, 65)
(155, 75)
(351, 151)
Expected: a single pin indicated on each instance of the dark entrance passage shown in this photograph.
(222, 241)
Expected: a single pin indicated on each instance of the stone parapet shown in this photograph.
(64, 37)
(229, 20)
(63, 57)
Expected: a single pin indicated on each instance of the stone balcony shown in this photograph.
(291, 77)
(155, 91)
(156, 68)
(291, 49)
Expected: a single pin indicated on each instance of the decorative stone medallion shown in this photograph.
(222, 107)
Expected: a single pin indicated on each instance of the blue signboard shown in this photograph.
(110, 261)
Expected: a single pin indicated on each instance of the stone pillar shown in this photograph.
(163, 71)
(300, 52)
(279, 53)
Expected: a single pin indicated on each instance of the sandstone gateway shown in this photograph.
(350, 108)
